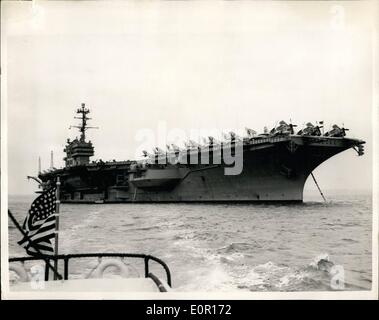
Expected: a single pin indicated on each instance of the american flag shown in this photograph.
(39, 224)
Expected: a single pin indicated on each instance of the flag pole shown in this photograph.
(57, 203)
(32, 244)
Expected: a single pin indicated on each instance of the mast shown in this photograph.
(57, 204)
(51, 160)
(84, 118)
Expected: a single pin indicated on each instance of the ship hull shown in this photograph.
(274, 170)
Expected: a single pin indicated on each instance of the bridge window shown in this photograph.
(120, 178)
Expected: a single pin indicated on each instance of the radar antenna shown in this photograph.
(83, 127)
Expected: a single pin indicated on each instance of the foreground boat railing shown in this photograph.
(67, 257)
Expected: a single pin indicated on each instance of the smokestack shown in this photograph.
(39, 165)
(52, 160)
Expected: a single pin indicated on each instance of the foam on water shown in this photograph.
(226, 247)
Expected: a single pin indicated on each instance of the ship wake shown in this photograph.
(234, 271)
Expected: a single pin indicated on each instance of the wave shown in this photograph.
(234, 247)
(350, 240)
(147, 228)
(127, 224)
(234, 271)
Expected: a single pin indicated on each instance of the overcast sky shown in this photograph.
(186, 65)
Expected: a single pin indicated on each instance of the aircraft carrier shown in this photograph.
(275, 167)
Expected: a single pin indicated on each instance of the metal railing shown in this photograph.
(66, 258)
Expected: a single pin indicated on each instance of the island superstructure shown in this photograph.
(276, 165)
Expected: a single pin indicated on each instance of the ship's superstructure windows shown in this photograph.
(120, 179)
(78, 153)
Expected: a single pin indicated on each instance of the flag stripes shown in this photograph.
(39, 224)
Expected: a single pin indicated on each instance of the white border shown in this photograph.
(4, 166)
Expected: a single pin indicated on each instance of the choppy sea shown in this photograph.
(227, 247)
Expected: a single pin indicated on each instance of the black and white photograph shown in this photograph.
(189, 150)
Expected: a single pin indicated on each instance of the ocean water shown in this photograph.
(226, 247)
